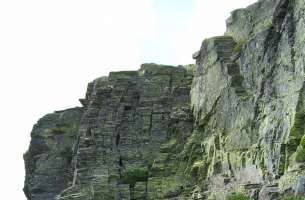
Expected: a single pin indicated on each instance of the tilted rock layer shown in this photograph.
(232, 123)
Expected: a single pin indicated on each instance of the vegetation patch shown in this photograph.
(302, 143)
(300, 154)
(135, 175)
(237, 196)
(167, 147)
(292, 198)
(239, 45)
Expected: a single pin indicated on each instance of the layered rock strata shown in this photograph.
(232, 124)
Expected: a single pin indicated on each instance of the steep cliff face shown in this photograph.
(258, 95)
(48, 160)
(234, 123)
(132, 125)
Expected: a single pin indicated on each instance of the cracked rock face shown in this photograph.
(48, 160)
(126, 138)
(234, 123)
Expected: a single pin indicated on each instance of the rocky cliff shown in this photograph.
(230, 127)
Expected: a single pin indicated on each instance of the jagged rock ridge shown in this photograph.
(233, 123)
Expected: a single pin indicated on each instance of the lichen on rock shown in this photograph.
(230, 127)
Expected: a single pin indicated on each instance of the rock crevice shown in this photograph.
(233, 124)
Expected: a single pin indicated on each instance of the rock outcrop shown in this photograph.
(233, 124)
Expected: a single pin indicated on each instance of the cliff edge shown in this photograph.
(230, 127)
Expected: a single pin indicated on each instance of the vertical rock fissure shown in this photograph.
(271, 48)
(141, 136)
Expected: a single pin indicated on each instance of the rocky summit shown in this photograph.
(230, 127)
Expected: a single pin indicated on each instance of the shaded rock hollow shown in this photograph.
(232, 123)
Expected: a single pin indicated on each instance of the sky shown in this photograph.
(51, 49)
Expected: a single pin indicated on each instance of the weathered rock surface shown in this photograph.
(132, 125)
(48, 160)
(234, 123)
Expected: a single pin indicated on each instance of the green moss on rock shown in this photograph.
(168, 146)
(290, 197)
(135, 175)
(239, 45)
(302, 143)
(300, 155)
(237, 196)
(165, 187)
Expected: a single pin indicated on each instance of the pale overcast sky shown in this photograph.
(51, 49)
